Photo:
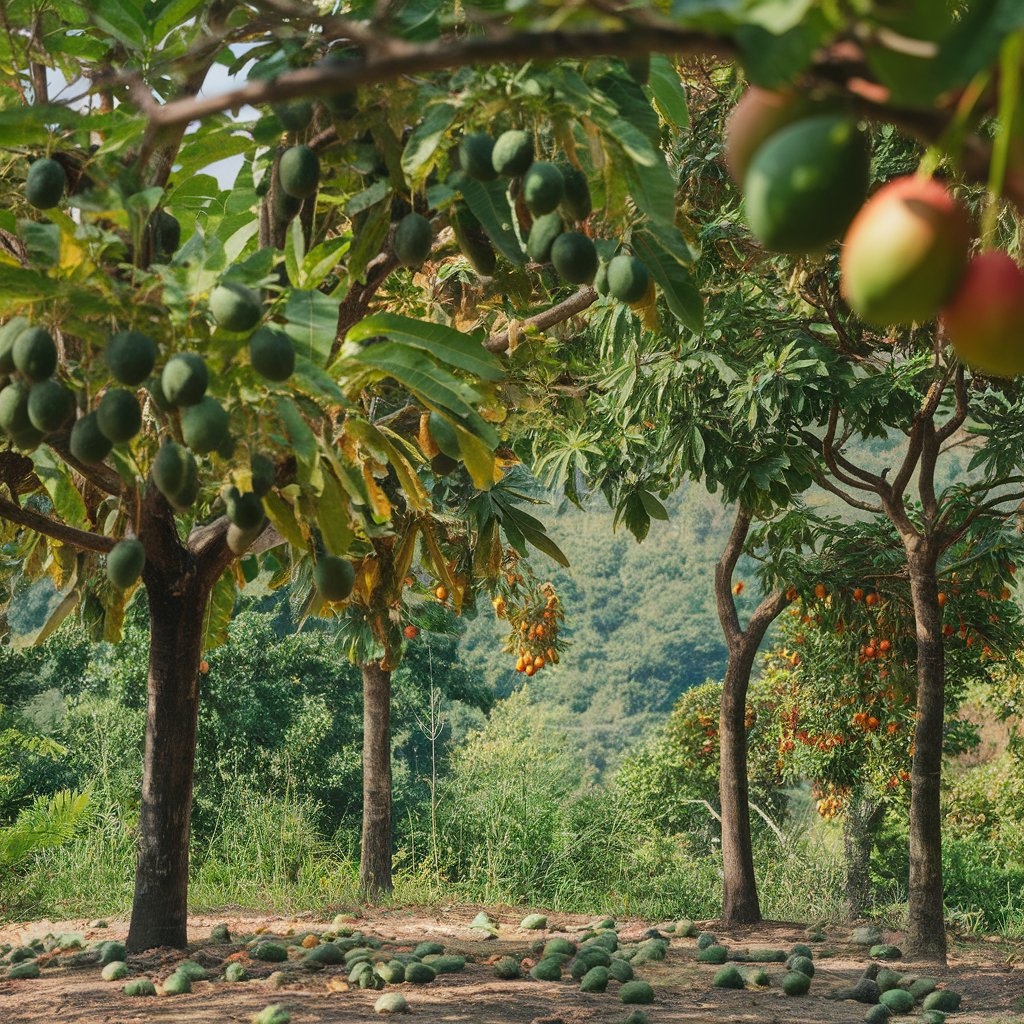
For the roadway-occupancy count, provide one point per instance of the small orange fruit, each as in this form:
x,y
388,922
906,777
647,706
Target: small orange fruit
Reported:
x,y
441,594
411,632
820,591
529,670
204,666
858,594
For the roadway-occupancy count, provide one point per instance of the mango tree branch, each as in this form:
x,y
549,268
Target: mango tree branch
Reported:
x,y
576,303
55,530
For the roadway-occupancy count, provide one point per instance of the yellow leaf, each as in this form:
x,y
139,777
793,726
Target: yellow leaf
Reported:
x,y
378,499
282,515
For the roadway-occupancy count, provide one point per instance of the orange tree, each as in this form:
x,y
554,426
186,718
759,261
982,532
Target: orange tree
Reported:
x,y
845,670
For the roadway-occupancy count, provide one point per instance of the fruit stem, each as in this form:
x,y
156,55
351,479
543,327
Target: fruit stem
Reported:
x,y
1009,86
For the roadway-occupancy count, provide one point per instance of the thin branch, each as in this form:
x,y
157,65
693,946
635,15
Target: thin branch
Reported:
x,y
724,570
566,309
866,506
68,535
956,421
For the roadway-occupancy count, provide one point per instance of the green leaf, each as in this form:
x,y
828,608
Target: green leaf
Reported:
x,y
668,91
418,155
172,14
311,379
282,515
302,438
18,286
488,201
464,351
36,611
311,321
29,126
219,609
332,516
123,20
653,189
677,284
654,508
773,61
55,476
369,240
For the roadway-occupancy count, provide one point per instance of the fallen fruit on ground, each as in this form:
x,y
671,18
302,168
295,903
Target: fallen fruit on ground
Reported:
x,y
636,992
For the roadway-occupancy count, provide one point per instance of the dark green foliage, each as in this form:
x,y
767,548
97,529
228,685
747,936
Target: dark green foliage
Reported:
x,y
898,1000
728,977
88,443
272,354
543,188
34,354
576,200
131,356
419,974
118,415
543,233
184,379
475,156
414,239
299,175
443,435
45,183
235,308
639,69
796,983
50,405
595,980
124,566
628,279
270,952
204,425
512,153
574,257
507,968
637,992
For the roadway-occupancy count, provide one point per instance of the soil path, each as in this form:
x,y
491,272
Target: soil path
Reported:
x,y
989,975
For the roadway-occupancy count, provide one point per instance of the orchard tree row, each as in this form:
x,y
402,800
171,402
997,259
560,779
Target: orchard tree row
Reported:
x,y
324,371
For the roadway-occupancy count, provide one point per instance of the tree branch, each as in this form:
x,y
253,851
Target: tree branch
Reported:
x,y
55,530
956,421
566,309
724,570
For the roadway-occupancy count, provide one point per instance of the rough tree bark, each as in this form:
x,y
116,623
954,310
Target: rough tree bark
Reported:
x,y
740,904
926,932
375,858
863,818
178,579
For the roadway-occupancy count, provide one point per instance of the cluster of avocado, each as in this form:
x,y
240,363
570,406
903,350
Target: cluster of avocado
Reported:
x,y
888,992
23,962
557,196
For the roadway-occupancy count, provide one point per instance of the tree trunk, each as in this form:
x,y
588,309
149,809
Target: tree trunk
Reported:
x,y
160,907
863,818
739,887
926,934
375,860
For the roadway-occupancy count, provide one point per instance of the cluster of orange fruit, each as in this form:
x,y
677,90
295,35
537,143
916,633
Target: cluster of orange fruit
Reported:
x,y
831,800
535,632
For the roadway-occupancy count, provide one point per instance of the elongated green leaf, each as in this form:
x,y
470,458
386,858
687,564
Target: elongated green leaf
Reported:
x,y
56,478
311,321
464,351
219,609
489,203
669,94
302,438
122,19
677,284
19,286
282,515
332,516
418,155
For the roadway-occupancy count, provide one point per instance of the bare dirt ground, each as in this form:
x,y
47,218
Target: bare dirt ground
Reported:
x,y
989,975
